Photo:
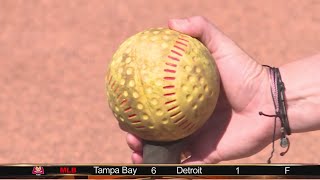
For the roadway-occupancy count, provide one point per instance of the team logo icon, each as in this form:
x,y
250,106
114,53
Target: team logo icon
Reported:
x,y
38,170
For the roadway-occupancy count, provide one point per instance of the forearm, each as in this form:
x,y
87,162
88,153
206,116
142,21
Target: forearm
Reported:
x,y
302,82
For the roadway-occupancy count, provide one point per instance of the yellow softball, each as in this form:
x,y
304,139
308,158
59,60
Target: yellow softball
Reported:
x,y
162,85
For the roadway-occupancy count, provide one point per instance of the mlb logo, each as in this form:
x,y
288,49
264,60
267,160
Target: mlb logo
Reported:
x,y
38,170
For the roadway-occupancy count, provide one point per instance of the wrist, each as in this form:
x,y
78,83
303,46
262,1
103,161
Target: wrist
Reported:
x,y
302,94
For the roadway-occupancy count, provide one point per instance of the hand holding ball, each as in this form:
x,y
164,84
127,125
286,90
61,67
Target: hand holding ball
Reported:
x,y
162,86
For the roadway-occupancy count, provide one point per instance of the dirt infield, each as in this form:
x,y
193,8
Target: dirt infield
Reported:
x,y
54,54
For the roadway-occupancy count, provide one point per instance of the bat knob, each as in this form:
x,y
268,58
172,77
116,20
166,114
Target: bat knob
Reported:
x,y
163,152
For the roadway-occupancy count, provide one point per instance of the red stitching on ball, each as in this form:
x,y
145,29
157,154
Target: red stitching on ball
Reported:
x,y
169,102
182,35
116,90
128,109
183,122
183,39
123,102
187,125
175,52
168,87
135,121
171,64
119,96
189,129
173,108
179,42
178,120
175,114
110,78
169,78
169,94
169,70
173,58
112,85
131,116
179,48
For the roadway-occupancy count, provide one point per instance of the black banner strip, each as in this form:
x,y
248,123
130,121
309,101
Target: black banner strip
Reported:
x,y
118,171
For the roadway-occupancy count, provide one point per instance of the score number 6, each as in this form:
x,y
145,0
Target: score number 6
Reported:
x,y
153,170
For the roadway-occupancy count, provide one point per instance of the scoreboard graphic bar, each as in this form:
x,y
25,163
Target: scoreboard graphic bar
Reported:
x,y
289,171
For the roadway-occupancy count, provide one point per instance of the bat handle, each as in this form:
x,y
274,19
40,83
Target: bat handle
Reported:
x,y
162,152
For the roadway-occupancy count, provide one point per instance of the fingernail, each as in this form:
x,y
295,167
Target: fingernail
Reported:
x,y
180,22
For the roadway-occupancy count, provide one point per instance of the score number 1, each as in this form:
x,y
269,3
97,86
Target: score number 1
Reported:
x,y
238,170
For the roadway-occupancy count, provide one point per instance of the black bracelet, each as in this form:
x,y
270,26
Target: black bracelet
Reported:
x,y
282,104
278,96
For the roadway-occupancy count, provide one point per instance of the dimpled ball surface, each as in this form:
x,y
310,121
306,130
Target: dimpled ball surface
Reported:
x,y
162,85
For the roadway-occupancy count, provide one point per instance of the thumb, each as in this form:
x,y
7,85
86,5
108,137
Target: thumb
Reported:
x,y
199,27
